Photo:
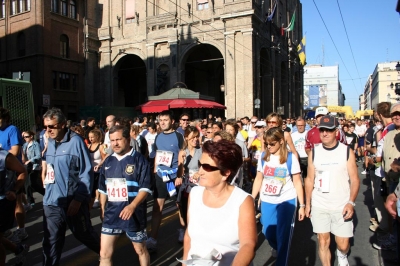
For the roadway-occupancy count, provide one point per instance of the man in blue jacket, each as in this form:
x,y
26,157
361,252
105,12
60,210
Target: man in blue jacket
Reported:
x,y
68,180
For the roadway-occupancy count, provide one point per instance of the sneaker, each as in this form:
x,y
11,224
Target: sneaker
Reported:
x,y
20,255
18,236
387,245
342,258
373,220
373,227
181,233
7,234
151,244
27,207
96,204
364,172
274,254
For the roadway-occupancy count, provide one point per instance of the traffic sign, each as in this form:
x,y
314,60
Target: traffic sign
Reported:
x,y
46,100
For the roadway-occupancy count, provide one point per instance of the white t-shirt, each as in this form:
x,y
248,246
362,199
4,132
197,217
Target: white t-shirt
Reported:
x,y
299,141
150,143
277,171
252,134
360,130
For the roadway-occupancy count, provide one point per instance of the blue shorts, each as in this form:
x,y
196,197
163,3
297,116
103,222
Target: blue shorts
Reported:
x,y
137,237
361,141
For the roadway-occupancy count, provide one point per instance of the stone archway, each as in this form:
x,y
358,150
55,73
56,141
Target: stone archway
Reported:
x,y
132,82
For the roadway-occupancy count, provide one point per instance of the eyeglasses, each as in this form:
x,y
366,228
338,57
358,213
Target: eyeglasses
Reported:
x,y
258,127
272,144
208,132
51,126
27,137
272,122
330,130
253,122
207,167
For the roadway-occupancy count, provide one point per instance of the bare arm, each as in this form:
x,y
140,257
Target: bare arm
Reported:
x,y
289,141
186,238
300,193
309,183
103,201
354,184
13,164
257,185
247,233
15,150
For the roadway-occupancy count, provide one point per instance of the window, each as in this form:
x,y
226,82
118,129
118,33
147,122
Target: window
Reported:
x,y
3,9
72,9
64,46
19,6
66,8
21,44
65,81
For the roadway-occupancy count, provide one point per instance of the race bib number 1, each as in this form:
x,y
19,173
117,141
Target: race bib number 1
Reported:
x,y
117,189
322,181
164,158
272,187
49,179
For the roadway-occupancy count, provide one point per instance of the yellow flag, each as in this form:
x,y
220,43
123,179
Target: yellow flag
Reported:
x,y
301,50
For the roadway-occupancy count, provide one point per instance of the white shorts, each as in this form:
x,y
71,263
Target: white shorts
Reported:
x,y
325,221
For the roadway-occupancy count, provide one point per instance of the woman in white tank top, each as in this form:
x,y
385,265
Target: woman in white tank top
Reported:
x,y
221,222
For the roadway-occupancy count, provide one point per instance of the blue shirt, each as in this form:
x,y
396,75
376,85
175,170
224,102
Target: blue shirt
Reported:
x,y
11,136
172,142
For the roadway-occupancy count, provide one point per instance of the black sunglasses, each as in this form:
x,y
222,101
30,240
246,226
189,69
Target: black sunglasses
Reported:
x,y
207,167
51,126
322,129
27,137
185,119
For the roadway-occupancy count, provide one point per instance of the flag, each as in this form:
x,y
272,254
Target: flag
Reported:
x,y
290,27
272,14
301,50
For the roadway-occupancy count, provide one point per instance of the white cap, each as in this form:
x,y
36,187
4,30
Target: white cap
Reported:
x,y
260,124
321,111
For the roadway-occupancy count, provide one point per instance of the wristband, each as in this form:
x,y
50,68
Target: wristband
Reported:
x,y
352,203
302,205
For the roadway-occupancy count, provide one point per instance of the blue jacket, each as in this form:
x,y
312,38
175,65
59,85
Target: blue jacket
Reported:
x,y
72,171
33,153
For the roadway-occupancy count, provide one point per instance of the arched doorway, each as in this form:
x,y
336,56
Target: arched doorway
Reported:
x,y
132,81
204,71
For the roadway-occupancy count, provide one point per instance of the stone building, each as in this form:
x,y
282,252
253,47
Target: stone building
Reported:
x,y
221,48
44,42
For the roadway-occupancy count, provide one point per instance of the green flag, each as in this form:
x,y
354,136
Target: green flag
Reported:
x,y
290,27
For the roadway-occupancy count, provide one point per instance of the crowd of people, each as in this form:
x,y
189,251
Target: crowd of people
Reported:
x,y
235,170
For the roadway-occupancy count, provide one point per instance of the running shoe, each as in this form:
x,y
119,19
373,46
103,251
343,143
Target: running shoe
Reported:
x,y
8,233
20,255
27,207
18,236
387,242
151,244
96,204
181,234
274,254
373,227
342,258
364,172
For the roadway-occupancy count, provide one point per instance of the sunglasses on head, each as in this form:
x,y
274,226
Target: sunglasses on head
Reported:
x,y
207,167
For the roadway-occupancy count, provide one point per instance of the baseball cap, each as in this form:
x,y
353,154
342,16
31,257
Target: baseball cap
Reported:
x,y
328,121
321,111
395,108
260,124
254,120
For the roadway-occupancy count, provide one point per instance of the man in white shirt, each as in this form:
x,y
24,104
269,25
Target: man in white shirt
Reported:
x,y
252,132
110,122
360,130
299,141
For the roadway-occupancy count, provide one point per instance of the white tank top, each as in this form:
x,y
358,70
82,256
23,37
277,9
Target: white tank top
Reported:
x,y
215,228
334,162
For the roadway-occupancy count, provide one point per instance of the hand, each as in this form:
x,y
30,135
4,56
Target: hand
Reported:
x,y
27,162
73,208
390,204
395,165
127,212
348,211
97,168
11,195
307,211
178,181
301,213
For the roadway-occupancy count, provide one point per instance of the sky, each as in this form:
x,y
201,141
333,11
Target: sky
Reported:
x,y
373,30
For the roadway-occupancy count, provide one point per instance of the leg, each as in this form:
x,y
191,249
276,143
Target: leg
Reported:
x,y
156,217
54,227
269,222
343,244
107,249
20,211
82,228
36,182
324,240
286,214
142,252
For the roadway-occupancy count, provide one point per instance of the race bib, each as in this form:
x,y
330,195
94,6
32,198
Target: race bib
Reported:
x,y
272,187
49,179
117,189
322,181
191,174
257,155
164,158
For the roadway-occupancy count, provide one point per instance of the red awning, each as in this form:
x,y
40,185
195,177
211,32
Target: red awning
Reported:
x,y
157,106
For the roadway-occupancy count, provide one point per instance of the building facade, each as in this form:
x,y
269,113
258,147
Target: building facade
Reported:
x,y
225,49
383,81
322,87
44,42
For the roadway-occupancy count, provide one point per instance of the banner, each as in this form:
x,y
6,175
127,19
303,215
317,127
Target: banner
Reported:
x,y
315,95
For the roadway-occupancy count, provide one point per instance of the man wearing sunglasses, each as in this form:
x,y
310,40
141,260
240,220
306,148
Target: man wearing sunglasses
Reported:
x,y
183,123
331,188
69,181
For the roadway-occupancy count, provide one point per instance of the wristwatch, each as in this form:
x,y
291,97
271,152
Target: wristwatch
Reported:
x,y
352,203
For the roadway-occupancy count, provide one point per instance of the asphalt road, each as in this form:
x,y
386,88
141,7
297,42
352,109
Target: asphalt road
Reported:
x,y
304,250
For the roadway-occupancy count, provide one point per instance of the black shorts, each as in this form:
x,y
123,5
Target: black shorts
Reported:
x,y
7,214
95,184
160,189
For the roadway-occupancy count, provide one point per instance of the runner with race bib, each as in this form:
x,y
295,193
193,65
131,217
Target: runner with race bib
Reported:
x,y
279,183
